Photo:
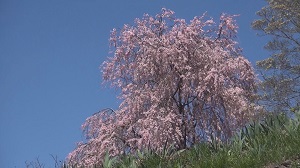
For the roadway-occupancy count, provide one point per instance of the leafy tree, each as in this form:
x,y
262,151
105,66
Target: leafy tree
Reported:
x,y
181,83
281,72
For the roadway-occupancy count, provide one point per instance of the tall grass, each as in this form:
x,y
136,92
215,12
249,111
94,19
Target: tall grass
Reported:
x,y
260,143
272,140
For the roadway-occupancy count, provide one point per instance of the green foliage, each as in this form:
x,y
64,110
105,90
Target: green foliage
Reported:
x,y
108,162
281,71
271,140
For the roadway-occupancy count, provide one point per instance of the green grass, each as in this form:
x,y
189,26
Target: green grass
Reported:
x,y
258,144
273,140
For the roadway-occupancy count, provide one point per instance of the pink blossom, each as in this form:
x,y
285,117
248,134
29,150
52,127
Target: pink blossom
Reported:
x,y
180,82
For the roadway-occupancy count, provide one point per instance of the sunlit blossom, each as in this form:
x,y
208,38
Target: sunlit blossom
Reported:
x,y
180,83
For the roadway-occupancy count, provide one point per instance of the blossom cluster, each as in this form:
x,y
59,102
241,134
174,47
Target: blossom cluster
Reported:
x,y
180,82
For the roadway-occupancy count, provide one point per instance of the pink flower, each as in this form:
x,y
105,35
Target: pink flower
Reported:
x,y
180,82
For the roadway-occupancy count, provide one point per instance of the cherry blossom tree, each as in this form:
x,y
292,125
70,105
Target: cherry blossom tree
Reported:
x,y
180,82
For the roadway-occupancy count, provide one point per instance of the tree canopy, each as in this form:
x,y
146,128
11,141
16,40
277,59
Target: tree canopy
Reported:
x,y
181,83
281,71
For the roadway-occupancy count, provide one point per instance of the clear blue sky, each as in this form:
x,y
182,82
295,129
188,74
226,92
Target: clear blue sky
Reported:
x,y
50,52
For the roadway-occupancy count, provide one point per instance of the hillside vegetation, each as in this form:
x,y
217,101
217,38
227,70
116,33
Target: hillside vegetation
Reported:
x,y
272,142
